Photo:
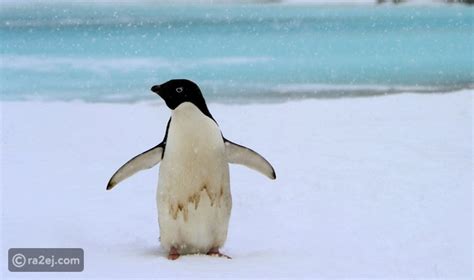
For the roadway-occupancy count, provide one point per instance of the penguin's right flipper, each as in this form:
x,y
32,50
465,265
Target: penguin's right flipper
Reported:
x,y
145,160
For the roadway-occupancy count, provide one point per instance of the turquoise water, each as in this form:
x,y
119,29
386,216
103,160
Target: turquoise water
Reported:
x,y
252,53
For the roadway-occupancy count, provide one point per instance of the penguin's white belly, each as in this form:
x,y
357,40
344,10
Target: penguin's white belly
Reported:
x,y
193,198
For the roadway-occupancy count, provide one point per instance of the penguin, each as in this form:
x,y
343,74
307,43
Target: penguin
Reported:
x,y
193,195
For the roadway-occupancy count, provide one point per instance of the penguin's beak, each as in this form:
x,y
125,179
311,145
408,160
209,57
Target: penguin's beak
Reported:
x,y
162,93
155,89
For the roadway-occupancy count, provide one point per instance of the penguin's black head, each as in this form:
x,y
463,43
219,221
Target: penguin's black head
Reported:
x,y
176,92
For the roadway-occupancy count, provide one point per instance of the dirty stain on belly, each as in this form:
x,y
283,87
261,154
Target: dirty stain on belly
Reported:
x,y
193,201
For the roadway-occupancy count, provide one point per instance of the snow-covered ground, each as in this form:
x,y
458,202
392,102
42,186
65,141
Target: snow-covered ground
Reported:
x,y
366,187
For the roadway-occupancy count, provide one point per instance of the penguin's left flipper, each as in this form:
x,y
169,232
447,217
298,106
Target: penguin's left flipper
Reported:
x,y
238,154
145,160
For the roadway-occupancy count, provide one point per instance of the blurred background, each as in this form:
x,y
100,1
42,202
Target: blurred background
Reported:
x,y
247,51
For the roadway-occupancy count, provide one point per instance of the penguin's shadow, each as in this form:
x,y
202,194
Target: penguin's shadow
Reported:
x,y
158,252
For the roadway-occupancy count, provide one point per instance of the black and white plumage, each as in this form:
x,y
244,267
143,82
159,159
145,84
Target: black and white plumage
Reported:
x,y
193,198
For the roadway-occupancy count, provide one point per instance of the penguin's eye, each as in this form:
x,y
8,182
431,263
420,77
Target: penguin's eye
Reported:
x,y
179,90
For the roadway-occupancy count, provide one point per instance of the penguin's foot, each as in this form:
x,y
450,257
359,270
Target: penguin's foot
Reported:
x,y
173,254
215,252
